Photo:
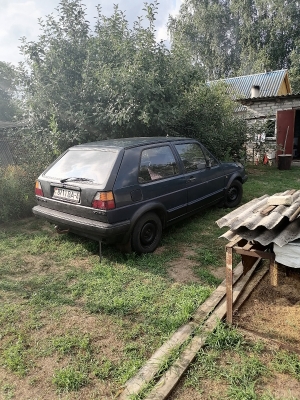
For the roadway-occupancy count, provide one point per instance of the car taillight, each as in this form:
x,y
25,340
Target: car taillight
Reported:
x,y
38,189
104,201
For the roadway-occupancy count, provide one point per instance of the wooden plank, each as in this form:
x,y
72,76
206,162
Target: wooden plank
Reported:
x,y
147,372
229,283
292,191
216,296
255,253
295,214
248,246
267,210
251,286
169,380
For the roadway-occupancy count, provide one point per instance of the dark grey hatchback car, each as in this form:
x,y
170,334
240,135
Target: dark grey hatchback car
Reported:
x,y
128,190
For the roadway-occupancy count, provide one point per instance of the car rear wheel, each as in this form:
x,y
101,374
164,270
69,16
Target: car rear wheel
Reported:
x,y
146,234
234,194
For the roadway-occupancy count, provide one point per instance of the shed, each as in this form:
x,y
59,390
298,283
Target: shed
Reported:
x,y
269,220
272,83
268,105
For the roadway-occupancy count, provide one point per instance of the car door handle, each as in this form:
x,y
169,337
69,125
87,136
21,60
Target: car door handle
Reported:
x,y
191,179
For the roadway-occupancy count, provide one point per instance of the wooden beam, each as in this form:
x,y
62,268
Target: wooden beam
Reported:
x,y
229,283
251,286
255,253
267,210
295,214
273,273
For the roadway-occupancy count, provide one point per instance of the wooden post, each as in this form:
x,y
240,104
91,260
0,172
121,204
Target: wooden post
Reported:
x,y
229,284
273,272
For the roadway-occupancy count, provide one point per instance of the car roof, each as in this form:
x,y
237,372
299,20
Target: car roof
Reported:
x,y
125,143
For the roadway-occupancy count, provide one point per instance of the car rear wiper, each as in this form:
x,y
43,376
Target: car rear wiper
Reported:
x,y
76,179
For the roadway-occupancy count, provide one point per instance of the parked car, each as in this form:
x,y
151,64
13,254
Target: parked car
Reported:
x,y
128,190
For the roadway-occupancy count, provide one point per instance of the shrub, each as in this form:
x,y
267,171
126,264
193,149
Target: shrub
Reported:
x,y
16,192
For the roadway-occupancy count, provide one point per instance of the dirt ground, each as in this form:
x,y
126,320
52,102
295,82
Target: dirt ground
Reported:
x,y
274,312
270,312
271,315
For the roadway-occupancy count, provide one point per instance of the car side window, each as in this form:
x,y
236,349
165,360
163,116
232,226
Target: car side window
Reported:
x,y
157,163
212,161
192,156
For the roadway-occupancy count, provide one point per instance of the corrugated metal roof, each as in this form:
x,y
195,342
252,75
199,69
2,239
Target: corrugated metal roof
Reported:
x,y
6,157
269,84
252,222
268,98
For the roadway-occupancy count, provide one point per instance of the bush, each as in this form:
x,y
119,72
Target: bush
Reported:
x,y
16,192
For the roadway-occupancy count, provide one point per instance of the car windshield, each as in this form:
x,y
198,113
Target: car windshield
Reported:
x,y
84,165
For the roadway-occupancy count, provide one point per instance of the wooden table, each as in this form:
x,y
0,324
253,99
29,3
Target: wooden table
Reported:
x,y
249,252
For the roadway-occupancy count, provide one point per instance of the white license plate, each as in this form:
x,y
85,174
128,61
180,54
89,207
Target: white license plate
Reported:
x,y
67,194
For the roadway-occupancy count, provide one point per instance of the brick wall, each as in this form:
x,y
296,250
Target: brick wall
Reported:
x,y
268,108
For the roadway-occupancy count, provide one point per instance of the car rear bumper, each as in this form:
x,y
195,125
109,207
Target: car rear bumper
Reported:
x,y
87,227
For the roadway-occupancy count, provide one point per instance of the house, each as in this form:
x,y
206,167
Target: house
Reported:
x,y
267,103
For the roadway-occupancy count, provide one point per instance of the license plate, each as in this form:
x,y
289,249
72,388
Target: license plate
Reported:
x,y
67,194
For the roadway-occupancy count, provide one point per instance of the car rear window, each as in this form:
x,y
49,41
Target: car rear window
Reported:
x,y
95,165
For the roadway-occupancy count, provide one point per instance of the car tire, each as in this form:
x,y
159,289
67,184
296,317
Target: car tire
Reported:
x,y
234,194
146,234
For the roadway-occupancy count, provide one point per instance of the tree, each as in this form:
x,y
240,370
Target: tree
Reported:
x,y
268,31
206,113
8,105
295,68
207,29
115,82
238,37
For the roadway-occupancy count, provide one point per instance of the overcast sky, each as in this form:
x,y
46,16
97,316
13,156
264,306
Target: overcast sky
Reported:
x,y
20,18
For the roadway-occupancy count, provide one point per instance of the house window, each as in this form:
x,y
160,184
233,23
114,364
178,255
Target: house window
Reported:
x,y
270,128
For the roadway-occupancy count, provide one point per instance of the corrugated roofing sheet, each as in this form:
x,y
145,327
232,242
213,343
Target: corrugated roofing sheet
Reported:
x,y
252,222
268,82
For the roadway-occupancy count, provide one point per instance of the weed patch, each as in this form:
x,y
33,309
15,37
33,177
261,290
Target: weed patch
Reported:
x,y
70,379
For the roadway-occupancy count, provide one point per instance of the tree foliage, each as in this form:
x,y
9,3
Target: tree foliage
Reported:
x,y
206,113
8,89
115,82
239,37
207,29
295,67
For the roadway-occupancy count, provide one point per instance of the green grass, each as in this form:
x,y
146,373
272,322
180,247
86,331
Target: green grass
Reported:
x,y
70,378
98,323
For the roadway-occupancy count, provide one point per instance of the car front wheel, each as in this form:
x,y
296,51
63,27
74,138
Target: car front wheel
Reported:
x,y
234,194
146,234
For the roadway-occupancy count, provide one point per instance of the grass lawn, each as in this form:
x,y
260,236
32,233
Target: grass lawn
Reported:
x,y
72,328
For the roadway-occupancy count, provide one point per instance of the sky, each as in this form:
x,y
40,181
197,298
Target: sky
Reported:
x,y
19,18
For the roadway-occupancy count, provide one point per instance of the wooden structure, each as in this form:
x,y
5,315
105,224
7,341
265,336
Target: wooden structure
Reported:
x,y
250,254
